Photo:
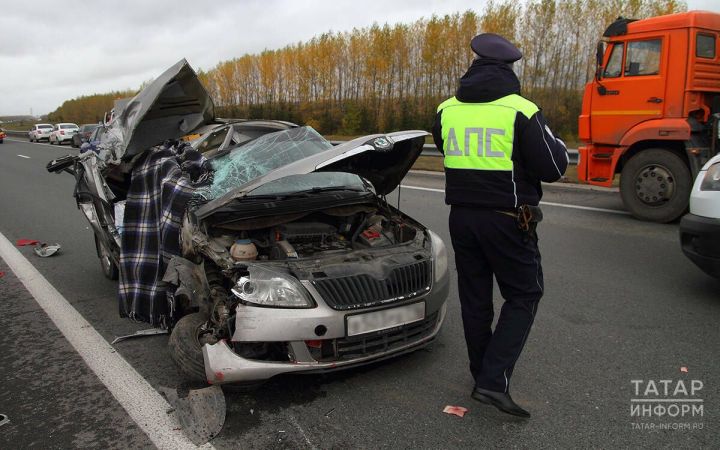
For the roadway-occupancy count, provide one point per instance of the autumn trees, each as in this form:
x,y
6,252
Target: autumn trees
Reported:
x,y
87,109
389,77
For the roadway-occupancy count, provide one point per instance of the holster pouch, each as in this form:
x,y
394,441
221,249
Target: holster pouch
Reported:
x,y
528,216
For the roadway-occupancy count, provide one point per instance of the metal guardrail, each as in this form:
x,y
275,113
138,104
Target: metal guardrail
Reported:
x,y
431,150
428,149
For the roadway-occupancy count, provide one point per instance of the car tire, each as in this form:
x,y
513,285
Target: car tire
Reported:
x,y
185,348
109,269
655,185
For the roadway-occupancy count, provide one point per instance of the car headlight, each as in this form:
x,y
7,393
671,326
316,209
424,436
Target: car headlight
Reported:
x,y
711,181
267,287
439,255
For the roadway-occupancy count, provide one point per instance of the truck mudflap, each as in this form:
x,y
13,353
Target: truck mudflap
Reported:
x,y
597,164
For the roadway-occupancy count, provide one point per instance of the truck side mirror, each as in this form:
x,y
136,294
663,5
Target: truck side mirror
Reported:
x,y
600,50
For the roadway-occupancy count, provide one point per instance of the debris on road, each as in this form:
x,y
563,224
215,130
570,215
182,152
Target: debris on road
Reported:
x,y
684,369
2,274
201,412
140,333
4,419
45,250
24,242
327,414
455,410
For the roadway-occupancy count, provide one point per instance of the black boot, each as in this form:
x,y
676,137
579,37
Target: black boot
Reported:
x,y
500,400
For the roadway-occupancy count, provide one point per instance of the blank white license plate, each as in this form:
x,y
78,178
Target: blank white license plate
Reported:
x,y
387,318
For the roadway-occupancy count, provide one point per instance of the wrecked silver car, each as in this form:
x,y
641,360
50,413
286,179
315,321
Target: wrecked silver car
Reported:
x,y
290,258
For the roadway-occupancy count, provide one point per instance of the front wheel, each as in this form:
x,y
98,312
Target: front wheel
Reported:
x,y
655,185
109,269
185,347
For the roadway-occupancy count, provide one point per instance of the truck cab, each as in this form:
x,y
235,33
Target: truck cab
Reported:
x,y
651,112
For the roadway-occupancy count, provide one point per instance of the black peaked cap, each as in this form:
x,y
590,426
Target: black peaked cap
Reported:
x,y
493,46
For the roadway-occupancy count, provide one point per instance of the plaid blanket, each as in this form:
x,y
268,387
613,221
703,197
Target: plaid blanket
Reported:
x,y
162,183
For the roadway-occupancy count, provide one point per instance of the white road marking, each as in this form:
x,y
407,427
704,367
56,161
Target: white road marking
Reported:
x,y
418,188
143,403
587,208
23,156
560,205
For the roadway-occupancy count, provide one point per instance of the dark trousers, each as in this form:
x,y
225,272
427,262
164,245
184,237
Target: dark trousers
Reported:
x,y
488,243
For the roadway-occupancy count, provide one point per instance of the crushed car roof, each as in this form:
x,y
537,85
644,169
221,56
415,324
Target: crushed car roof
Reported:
x,y
174,104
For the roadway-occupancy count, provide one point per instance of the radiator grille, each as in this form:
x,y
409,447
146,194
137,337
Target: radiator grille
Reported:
x,y
361,291
375,343
380,342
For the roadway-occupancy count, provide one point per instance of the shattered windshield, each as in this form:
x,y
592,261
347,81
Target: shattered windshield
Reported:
x,y
260,156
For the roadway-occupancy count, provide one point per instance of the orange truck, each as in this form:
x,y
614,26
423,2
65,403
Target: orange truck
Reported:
x,y
651,113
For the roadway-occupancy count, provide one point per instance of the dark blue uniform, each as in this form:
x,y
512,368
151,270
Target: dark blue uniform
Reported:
x,y
486,183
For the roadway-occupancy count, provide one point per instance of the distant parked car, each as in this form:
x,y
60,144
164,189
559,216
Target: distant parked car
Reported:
x,y
40,131
700,229
2,135
84,135
63,132
97,133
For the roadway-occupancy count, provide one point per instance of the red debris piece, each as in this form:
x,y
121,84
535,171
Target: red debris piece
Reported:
x,y
455,410
2,274
684,369
24,242
371,234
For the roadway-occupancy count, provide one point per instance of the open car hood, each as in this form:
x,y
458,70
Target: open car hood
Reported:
x,y
382,159
174,104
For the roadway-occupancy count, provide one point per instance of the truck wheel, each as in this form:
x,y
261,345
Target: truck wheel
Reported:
x,y
655,185
185,348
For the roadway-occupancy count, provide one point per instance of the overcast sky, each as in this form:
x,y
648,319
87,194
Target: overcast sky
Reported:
x,y
53,51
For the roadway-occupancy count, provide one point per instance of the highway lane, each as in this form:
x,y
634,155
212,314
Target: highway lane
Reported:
x,y
622,303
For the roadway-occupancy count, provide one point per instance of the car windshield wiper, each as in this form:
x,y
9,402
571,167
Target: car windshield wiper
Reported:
x,y
326,189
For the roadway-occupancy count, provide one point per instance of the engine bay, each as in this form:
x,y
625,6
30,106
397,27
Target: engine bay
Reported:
x,y
317,234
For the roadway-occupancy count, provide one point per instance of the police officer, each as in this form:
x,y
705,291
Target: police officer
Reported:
x,y
497,149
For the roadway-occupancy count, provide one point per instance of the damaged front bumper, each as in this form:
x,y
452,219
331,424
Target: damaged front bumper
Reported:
x,y
298,330
222,365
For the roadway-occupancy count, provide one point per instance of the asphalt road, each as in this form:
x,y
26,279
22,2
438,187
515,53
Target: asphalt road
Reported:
x,y
622,303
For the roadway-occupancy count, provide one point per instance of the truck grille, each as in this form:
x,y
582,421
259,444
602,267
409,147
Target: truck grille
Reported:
x,y
362,291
